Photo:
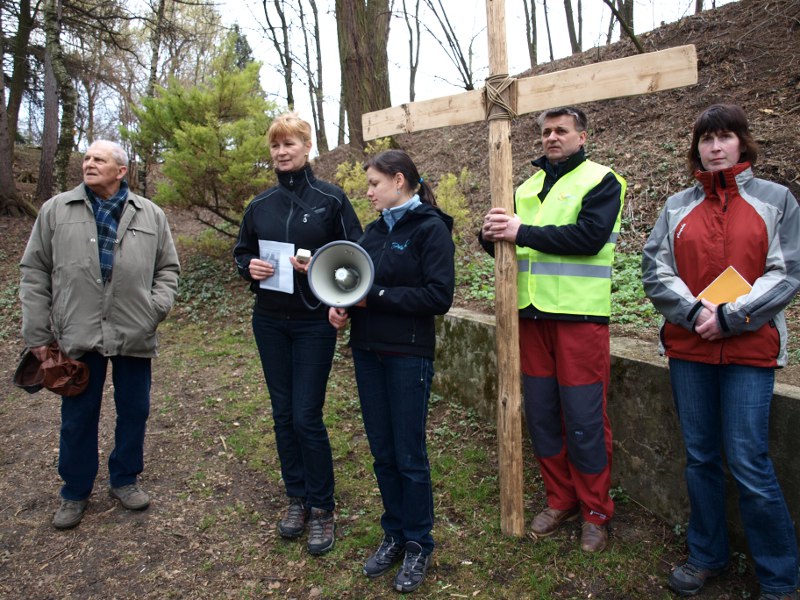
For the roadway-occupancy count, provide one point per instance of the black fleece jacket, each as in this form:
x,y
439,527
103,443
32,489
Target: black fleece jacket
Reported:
x,y
414,281
276,215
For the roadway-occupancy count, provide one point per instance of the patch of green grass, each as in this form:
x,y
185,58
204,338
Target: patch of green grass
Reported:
x,y
207,522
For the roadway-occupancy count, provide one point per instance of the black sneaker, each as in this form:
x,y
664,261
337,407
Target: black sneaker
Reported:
x,y
293,523
415,567
321,531
388,553
688,579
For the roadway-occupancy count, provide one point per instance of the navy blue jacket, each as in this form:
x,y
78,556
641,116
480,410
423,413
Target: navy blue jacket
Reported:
x,y
414,281
275,215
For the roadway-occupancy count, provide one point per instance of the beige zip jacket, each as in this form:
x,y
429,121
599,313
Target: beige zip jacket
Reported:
x,y
62,292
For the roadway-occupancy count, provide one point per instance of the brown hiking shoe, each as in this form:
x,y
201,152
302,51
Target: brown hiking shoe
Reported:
x,y
550,519
593,537
321,528
293,523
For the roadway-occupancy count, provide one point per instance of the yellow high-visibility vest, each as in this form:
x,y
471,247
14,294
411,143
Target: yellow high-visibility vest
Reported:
x,y
555,283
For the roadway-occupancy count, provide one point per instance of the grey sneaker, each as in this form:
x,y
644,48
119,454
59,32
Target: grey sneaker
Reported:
x,y
69,514
131,496
321,531
293,523
388,553
688,579
415,567
778,596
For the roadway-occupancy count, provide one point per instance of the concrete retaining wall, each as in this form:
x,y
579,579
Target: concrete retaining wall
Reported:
x,y
648,449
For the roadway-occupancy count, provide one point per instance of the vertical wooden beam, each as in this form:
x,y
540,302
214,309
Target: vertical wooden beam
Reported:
x,y
509,417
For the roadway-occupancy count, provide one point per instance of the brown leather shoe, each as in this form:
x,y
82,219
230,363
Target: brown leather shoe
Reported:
x,y
593,537
550,519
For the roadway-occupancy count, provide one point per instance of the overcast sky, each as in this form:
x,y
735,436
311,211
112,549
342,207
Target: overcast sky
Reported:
x,y
436,75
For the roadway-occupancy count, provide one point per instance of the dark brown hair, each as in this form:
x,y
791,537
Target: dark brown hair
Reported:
x,y
390,162
581,122
718,118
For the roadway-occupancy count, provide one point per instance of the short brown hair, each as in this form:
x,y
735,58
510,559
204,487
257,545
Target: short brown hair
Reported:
x,y
289,125
717,118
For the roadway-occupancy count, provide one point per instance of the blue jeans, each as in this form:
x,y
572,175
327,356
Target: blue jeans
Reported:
x,y
726,407
80,415
296,357
394,392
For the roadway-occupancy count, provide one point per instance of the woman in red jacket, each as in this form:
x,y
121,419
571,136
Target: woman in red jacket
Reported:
x,y
723,350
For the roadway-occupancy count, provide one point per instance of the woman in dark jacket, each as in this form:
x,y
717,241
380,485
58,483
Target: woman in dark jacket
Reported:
x,y
393,340
724,343
294,339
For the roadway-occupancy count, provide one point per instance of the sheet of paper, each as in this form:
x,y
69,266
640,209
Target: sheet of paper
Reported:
x,y
278,254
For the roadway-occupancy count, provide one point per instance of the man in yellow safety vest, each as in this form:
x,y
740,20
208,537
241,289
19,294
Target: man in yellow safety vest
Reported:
x,y
565,229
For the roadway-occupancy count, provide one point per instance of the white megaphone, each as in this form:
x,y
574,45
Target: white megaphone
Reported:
x,y
341,274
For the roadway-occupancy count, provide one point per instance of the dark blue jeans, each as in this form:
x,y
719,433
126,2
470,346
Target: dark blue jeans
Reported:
x,y
394,392
726,407
80,415
296,357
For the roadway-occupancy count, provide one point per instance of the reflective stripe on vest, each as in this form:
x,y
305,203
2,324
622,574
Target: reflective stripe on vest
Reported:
x,y
565,284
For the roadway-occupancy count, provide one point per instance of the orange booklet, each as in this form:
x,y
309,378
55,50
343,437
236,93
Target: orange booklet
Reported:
x,y
727,287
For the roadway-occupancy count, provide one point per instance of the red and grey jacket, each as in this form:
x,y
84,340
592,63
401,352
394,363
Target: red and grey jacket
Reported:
x,y
729,218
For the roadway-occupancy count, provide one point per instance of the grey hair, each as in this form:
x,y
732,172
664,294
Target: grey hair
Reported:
x,y
117,152
581,122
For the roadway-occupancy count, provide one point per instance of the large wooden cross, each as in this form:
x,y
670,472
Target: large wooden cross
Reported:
x,y
635,75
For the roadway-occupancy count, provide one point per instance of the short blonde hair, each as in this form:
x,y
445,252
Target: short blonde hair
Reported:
x,y
289,125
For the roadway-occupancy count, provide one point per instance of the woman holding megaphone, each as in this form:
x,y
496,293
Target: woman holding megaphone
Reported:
x,y
393,337
295,341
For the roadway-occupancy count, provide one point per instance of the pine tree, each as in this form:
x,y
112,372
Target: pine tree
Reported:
x,y
212,140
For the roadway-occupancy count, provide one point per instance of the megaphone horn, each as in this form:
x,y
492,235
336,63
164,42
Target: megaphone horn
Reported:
x,y
340,274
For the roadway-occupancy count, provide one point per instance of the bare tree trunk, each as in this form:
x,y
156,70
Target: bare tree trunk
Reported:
x,y
21,69
46,181
11,202
611,22
413,48
625,8
148,153
531,35
314,76
282,46
319,96
625,27
66,92
363,28
91,88
574,43
547,28
698,6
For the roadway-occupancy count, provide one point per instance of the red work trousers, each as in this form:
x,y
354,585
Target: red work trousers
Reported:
x,y
566,369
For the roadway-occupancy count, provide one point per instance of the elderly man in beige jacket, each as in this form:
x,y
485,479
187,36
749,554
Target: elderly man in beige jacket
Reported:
x,y
99,273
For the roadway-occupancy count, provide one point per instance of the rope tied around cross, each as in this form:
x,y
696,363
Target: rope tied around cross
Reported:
x,y
500,97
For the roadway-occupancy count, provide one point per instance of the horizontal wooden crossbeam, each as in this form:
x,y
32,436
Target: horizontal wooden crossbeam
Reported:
x,y
629,76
